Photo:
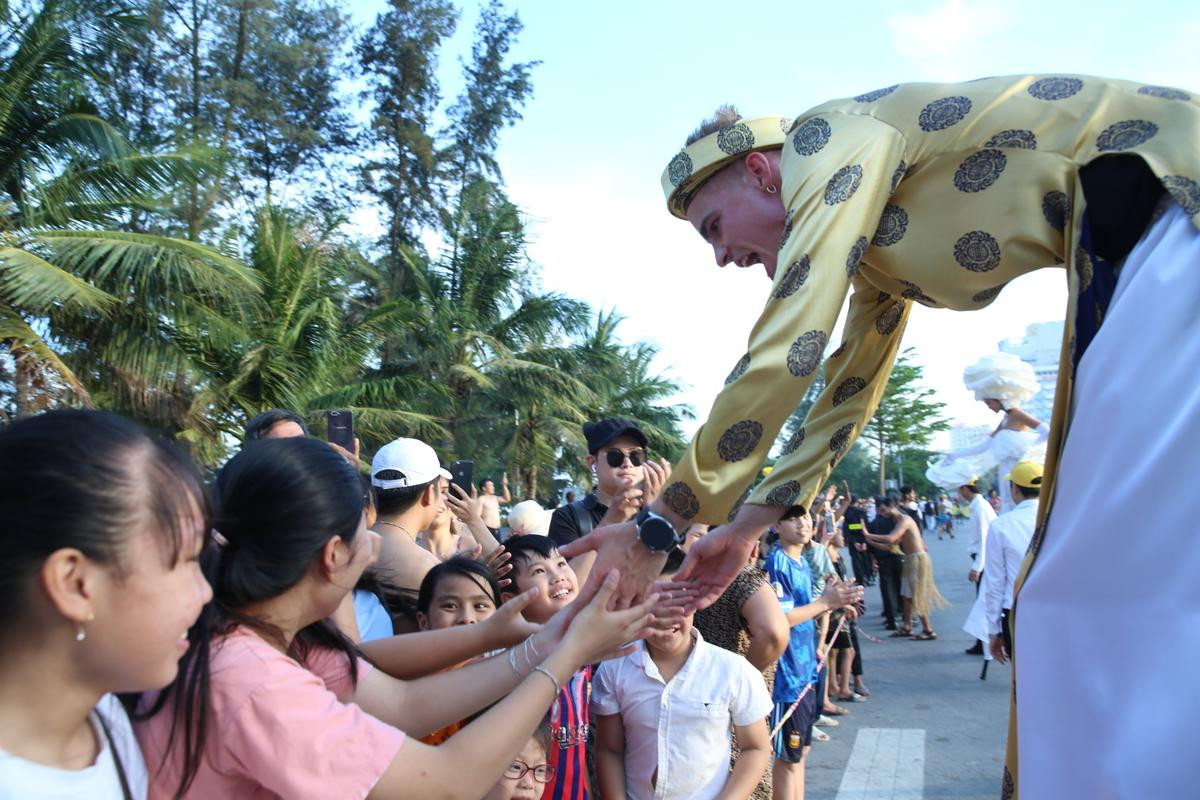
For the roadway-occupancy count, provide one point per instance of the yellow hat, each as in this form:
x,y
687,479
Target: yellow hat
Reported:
x,y
695,164
1026,474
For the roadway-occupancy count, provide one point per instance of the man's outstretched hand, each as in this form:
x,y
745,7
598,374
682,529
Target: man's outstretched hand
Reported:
x,y
617,547
712,563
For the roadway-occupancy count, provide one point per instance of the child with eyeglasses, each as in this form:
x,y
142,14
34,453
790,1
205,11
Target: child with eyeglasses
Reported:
x,y
526,777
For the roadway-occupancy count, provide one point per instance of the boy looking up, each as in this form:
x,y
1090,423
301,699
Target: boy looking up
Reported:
x,y
793,583
536,562
663,720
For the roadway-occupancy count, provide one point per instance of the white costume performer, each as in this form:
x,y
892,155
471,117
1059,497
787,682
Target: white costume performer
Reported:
x,y
1011,382
1008,541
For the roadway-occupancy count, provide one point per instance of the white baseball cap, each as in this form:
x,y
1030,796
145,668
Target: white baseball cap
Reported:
x,y
413,459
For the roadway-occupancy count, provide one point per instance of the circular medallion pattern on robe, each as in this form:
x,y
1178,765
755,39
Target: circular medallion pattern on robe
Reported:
x,y
1008,787
841,438
737,138
892,225
914,292
1164,92
794,442
887,322
856,256
680,498
988,295
741,501
841,348
739,369
977,251
843,185
1056,208
805,353
1184,191
787,230
739,440
847,389
1017,139
898,175
943,113
793,279
680,168
882,298
980,170
811,136
1125,134
876,94
784,494
1084,268
1055,88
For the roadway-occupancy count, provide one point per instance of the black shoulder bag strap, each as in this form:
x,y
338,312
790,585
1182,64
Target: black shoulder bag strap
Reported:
x,y
116,757
583,517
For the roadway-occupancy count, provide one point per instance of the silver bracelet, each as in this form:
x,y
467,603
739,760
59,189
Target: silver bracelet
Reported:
x,y
550,675
512,662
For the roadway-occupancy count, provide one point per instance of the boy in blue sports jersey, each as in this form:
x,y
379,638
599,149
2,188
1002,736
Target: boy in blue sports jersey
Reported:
x,y
793,583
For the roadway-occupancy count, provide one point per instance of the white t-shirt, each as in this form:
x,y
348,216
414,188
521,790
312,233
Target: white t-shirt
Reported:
x,y
680,728
25,780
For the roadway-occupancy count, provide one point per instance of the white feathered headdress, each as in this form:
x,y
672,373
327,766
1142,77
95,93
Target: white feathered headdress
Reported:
x,y
1003,377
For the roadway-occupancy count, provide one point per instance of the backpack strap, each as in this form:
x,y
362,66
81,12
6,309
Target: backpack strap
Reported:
x,y
116,757
583,517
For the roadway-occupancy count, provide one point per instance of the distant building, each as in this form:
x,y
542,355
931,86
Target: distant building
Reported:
x,y
963,436
1040,348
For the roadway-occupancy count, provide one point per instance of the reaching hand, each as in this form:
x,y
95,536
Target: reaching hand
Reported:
x,y
712,563
462,506
354,458
973,576
657,473
498,564
617,547
507,626
598,633
996,646
840,594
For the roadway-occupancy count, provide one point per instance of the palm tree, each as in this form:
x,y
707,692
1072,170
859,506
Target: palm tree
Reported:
x,y
82,307
300,345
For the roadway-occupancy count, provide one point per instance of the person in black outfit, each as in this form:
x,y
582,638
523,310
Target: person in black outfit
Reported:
x,y
625,480
890,566
853,525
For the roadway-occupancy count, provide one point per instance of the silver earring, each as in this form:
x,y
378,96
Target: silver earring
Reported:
x,y
771,189
80,633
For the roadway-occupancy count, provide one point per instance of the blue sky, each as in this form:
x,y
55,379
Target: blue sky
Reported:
x,y
622,83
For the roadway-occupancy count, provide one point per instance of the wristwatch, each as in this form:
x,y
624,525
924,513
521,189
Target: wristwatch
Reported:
x,y
656,532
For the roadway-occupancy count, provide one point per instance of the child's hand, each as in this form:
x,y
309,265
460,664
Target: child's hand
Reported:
x,y
597,634
839,595
507,627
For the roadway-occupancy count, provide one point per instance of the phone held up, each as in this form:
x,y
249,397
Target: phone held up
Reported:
x,y
461,475
341,428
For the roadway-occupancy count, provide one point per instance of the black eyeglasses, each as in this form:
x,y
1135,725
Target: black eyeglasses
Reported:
x,y
616,458
543,773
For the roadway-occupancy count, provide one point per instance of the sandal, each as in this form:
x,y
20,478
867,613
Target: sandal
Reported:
x,y
849,698
835,711
861,691
819,735
826,722
901,633
924,637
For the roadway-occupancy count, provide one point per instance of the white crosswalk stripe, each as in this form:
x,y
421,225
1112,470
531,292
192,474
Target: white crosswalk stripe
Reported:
x,y
885,764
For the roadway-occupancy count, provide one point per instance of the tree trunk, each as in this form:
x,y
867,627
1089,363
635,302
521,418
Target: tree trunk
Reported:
x,y
23,385
882,467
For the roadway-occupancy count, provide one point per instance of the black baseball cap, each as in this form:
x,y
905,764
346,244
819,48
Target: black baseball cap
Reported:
x,y
601,433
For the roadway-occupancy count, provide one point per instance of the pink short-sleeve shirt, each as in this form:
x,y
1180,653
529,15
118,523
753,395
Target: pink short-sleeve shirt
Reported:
x,y
278,729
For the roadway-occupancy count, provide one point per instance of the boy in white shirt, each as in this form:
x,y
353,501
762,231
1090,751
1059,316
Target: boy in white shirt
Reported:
x,y
663,716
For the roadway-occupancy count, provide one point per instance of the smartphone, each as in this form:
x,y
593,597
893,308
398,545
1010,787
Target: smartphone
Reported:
x,y
341,428
461,475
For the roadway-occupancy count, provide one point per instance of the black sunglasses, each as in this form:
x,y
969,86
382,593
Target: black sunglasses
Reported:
x,y
616,458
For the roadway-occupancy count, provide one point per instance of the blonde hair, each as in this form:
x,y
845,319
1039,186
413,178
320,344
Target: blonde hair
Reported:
x,y
725,115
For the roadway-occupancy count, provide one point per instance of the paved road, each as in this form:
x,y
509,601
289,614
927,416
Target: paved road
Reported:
x,y
926,691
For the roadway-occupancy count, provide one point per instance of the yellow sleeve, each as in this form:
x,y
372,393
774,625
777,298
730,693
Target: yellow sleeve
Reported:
x,y
838,172
855,376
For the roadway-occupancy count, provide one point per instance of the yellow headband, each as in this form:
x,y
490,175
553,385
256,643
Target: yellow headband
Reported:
x,y
696,163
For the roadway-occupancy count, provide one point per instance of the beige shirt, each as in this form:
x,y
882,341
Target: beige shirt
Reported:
x,y
934,193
